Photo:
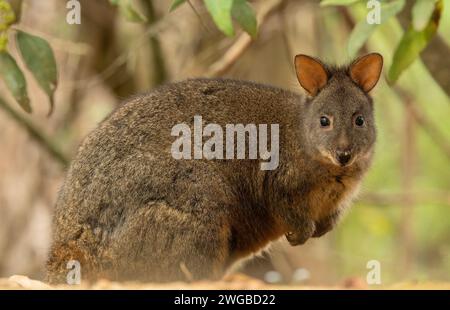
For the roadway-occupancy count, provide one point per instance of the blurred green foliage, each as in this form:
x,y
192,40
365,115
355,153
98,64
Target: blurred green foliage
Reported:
x,y
224,11
423,251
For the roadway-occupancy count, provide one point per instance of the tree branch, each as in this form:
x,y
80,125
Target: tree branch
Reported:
x,y
36,134
160,74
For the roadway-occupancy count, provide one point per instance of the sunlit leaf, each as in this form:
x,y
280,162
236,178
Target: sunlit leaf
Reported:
x,y
243,13
221,14
14,80
175,4
390,9
131,14
363,30
412,43
359,36
39,59
421,13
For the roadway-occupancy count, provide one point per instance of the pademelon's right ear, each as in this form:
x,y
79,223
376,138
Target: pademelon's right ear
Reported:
x,y
366,70
310,73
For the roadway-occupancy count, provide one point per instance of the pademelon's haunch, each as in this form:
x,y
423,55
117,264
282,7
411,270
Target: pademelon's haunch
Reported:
x,y
129,211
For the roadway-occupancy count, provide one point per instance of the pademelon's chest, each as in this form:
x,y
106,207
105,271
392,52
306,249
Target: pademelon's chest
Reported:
x,y
330,195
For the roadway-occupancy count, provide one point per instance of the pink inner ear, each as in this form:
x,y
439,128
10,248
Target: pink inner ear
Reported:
x,y
310,73
367,70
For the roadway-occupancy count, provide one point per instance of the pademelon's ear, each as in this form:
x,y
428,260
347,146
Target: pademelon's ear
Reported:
x,y
366,70
310,73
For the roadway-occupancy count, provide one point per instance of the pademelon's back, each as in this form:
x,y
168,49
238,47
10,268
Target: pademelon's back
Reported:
x,y
126,161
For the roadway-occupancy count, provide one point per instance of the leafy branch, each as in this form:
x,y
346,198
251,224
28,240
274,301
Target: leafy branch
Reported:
x,y
35,52
426,16
242,43
223,13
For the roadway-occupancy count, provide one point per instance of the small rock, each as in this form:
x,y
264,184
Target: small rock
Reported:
x,y
27,283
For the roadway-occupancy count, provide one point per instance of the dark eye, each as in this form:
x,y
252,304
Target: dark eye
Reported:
x,y
359,121
324,121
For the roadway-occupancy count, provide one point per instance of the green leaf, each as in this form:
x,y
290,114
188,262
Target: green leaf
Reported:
x,y
421,13
175,4
412,43
363,30
245,16
220,11
14,80
39,59
390,9
360,34
337,2
130,14
127,10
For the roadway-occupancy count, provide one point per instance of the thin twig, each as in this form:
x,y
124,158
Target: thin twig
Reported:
x,y
396,198
242,43
198,16
431,129
282,20
59,44
89,82
160,73
433,132
35,133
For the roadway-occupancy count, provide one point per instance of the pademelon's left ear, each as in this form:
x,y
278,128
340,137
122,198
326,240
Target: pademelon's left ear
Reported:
x,y
366,70
311,73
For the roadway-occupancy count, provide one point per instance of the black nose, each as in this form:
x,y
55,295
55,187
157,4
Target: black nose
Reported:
x,y
343,157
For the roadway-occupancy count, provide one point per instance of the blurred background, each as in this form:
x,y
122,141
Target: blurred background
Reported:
x,y
401,218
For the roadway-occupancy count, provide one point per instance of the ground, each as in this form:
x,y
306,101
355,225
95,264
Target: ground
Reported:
x,y
234,282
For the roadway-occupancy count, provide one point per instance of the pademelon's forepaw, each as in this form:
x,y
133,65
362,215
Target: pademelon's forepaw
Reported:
x,y
301,236
295,238
325,225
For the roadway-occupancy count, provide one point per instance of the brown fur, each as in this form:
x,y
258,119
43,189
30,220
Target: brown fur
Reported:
x,y
129,211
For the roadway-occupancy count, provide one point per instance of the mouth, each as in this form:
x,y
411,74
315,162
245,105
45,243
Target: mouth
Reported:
x,y
345,164
331,157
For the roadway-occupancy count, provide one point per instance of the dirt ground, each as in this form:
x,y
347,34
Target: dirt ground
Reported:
x,y
234,282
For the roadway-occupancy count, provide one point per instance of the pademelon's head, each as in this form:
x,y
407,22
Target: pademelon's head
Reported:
x,y
339,122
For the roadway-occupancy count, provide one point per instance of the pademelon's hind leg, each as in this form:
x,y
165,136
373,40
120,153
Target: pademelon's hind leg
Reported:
x,y
83,251
162,244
